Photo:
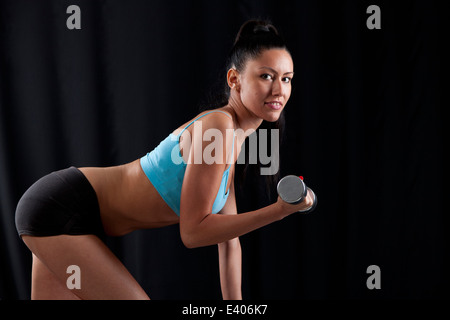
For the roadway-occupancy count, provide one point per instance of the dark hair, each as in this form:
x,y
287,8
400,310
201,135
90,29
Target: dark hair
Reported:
x,y
254,37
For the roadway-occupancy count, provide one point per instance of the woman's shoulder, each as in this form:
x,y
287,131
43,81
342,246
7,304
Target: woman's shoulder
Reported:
x,y
219,118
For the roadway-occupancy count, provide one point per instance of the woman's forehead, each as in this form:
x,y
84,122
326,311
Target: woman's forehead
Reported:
x,y
279,60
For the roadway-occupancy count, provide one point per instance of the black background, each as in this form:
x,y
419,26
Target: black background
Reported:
x,y
365,127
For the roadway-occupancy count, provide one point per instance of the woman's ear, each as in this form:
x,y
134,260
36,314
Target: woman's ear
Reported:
x,y
233,79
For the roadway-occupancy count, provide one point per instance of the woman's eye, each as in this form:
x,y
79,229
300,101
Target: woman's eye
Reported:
x,y
266,76
287,79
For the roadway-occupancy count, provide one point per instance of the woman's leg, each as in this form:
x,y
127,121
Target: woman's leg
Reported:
x,y
102,275
46,286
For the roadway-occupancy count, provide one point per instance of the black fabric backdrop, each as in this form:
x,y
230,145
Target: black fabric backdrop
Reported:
x,y
364,126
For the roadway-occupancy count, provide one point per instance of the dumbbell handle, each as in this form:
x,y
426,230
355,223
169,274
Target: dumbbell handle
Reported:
x,y
293,190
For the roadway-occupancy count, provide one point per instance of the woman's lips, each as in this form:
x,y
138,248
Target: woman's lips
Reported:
x,y
275,105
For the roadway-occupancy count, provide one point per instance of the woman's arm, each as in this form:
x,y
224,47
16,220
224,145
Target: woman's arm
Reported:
x,y
198,226
213,228
230,257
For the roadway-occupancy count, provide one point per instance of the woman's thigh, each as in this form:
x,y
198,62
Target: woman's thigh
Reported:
x,y
46,286
100,273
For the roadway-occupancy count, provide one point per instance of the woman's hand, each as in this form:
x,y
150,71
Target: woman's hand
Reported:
x,y
288,208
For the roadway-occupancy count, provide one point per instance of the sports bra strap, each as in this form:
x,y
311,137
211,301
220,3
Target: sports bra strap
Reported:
x,y
189,124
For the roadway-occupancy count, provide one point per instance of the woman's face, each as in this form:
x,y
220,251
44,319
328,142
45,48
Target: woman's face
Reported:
x,y
265,83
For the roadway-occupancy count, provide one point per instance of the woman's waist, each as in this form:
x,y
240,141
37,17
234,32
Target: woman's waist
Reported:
x,y
127,199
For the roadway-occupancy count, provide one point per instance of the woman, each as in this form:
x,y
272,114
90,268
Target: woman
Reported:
x,y
63,217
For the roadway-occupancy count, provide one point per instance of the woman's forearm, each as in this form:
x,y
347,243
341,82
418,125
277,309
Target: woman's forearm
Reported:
x,y
230,267
214,228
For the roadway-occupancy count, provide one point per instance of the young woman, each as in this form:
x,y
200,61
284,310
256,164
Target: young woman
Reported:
x,y
63,217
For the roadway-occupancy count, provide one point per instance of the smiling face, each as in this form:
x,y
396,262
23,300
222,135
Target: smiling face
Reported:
x,y
264,86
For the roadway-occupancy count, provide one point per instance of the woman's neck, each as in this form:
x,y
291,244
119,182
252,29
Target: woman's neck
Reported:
x,y
244,118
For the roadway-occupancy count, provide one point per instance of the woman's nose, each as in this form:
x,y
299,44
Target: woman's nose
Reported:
x,y
277,88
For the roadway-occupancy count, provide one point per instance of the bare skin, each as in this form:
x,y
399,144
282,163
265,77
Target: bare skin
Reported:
x,y
128,201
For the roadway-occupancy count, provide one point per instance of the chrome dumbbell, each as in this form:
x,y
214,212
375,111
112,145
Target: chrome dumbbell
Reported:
x,y
293,190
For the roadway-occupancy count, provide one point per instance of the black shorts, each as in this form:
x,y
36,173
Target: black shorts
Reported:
x,y
62,202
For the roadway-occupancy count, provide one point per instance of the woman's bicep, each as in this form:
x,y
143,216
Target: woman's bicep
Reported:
x,y
202,180
200,186
203,176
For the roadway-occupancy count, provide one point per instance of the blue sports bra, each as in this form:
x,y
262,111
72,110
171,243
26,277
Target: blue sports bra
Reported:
x,y
165,168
